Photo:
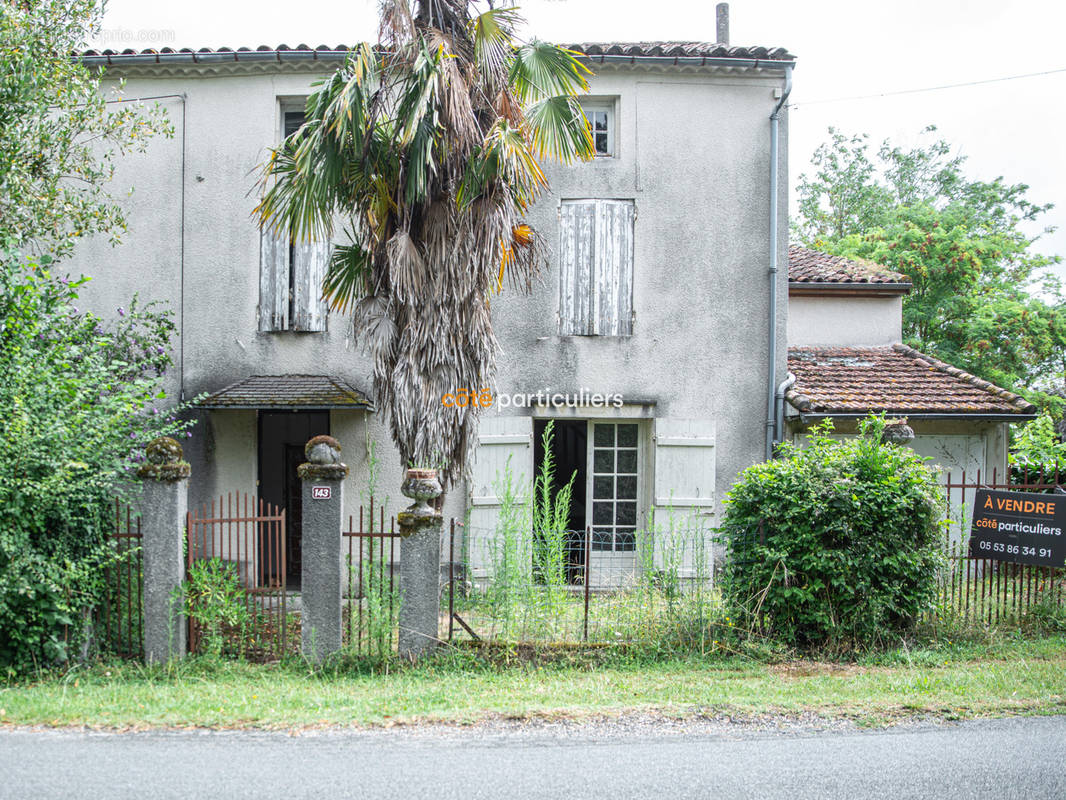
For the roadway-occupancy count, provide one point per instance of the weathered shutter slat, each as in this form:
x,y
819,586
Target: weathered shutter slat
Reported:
x,y
319,265
623,297
577,231
273,282
614,268
303,254
309,270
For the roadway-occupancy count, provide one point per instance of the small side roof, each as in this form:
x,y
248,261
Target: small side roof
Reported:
x,y
853,381
289,392
811,271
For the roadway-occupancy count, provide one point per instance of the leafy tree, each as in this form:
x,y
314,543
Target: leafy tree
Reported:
x,y
982,297
80,401
80,397
58,137
427,147
1037,448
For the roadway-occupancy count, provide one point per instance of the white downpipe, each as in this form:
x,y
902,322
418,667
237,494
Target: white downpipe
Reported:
x,y
775,118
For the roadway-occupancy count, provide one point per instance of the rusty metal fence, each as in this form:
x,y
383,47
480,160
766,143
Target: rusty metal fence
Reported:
x,y
120,617
370,610
984,590
236,579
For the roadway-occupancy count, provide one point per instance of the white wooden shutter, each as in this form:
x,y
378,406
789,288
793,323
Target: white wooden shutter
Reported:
x,y
309,270
596,267
502,442
684,495
577,225
612,296
273,282
684,464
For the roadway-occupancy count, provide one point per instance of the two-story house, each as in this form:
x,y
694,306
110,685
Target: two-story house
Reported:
x,y
655,339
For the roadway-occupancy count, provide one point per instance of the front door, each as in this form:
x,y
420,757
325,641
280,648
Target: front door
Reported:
x,y
282,436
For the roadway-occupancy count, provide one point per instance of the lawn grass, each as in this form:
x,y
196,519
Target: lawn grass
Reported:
x,y
949,680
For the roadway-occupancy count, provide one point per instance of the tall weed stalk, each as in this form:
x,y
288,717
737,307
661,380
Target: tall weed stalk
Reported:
x,y
551,516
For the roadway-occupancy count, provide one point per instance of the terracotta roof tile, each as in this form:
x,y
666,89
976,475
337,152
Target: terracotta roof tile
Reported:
x,y
659,49
289,392
812,266
896,379
673,49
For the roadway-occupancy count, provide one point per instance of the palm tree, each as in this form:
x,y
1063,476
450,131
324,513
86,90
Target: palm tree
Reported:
x,y
427,150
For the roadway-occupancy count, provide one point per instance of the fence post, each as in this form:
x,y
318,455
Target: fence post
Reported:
x,y
165,478
420,527
322,581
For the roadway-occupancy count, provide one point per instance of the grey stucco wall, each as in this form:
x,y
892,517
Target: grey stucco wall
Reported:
x,y
693,153
828,321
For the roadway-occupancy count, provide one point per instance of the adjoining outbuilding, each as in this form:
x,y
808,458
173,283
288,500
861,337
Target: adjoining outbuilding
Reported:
x,y
847,359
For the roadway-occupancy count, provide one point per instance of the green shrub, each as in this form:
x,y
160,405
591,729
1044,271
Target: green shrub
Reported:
x,y
81,398
1037,448
836,544
216,601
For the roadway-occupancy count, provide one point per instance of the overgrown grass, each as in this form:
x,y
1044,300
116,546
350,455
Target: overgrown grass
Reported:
x,y
947,678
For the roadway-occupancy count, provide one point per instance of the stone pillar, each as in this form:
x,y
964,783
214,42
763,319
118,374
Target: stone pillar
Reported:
x,y
164,504
420,527
322,579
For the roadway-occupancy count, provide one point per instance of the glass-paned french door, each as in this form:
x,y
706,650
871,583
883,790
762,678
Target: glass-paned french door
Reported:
x,y
614,456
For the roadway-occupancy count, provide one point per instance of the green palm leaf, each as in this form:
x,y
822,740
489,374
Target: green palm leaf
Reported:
x,y
559,129
540,70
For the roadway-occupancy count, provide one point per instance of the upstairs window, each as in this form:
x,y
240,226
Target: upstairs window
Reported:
x,y
601,119
291,273
596,267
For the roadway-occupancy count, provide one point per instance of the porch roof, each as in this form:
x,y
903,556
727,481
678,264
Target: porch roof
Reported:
x,y
289,392
853,381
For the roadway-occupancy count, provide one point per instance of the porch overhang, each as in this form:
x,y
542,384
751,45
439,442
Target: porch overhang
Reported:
x,y
288,393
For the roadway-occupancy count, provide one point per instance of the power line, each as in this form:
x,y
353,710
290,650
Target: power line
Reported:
x,y
927,88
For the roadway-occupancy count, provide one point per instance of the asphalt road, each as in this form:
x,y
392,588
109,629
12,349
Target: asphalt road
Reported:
x,y
1011,758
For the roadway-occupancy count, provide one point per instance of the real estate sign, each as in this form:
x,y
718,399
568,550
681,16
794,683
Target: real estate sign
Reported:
x,y
1021,527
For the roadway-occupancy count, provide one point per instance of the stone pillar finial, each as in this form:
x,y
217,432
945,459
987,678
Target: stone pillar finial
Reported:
x,y
420,527
163,513
322,578
897,431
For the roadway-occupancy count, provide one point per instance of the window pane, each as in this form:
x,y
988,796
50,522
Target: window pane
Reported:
x,y
627,488
627,435
625,540
604,435
625,513
603,488
627,461
599,121
602,513
601,143
603,461
293,121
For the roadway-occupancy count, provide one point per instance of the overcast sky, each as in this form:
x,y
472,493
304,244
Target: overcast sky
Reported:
x,y
845,48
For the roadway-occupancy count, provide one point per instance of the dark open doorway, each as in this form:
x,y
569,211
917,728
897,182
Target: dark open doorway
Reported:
x,y
570,452
282,436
